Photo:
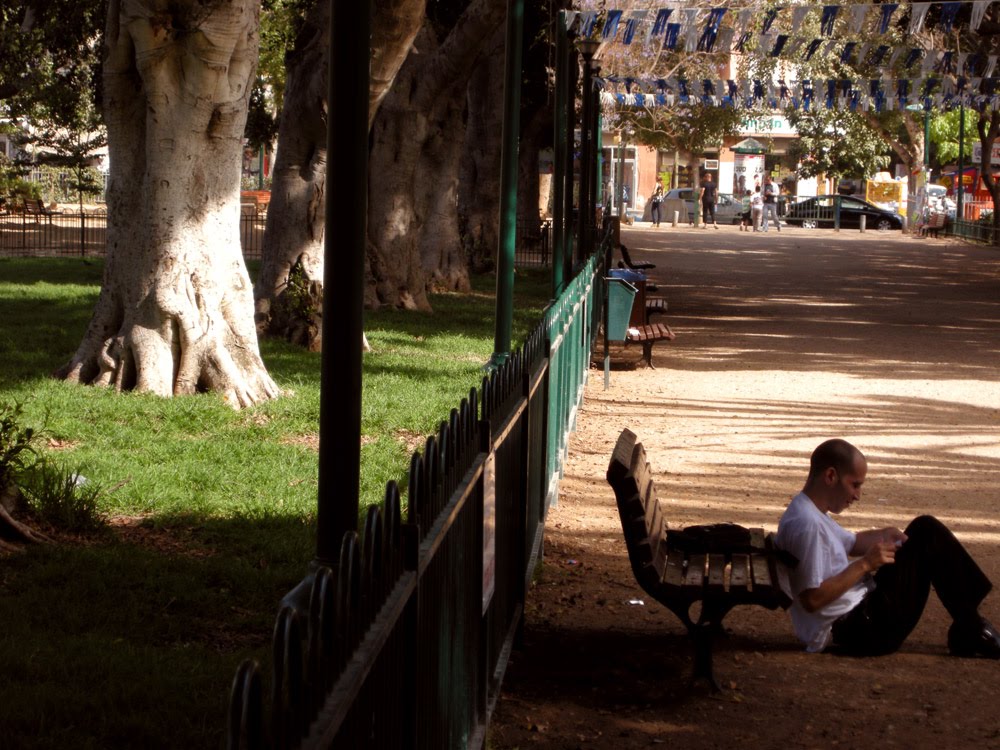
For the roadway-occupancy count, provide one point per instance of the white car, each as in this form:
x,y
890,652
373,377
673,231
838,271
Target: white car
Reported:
x,y
727,208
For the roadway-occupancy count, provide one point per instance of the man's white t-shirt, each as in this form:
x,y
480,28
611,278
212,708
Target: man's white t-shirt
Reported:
x,y
822,547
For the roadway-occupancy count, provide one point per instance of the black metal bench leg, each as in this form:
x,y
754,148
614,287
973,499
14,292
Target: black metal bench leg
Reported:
x,y
647,353
702,637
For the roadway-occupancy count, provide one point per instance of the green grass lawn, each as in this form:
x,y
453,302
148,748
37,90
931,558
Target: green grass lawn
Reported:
x,y
131,638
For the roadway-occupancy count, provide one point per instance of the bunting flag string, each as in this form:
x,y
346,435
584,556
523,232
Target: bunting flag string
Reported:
x,y
611,25
828,20
979,8
864,94
887,10
918,12
704,37
948,13
708,36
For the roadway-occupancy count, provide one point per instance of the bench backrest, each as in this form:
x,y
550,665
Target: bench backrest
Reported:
x,y
643,523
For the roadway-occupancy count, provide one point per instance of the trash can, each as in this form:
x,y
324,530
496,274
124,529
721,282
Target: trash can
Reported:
x,y
627,274
621,294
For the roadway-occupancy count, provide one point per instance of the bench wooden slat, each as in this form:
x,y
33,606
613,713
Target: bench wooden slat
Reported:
x,y
739,575
673,574
654,516
621,456
695,574
656,305
651,332
761,572
717,572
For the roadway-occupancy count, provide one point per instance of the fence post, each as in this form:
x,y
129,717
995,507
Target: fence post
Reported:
x,y
864,220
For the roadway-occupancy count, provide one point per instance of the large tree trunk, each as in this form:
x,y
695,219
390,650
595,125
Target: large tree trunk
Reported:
x,y
405,137
175,313
988,127
442,257
290,287
479,183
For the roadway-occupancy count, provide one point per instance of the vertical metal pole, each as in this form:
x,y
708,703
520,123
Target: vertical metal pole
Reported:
x,y
260,168
959,214
927,143
598,150
508,182
343,277
584,217
559,216
571,78
620,184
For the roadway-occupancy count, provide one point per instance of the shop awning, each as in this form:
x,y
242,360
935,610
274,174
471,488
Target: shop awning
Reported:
x,y
749,146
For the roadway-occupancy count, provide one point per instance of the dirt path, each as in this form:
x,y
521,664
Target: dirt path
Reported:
x,y
783,340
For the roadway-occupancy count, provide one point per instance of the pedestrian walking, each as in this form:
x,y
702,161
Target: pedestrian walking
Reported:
x,y
756,208
654,202
746,203
770,202
709,194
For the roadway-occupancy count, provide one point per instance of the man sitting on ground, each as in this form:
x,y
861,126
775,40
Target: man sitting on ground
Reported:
x,y
869,605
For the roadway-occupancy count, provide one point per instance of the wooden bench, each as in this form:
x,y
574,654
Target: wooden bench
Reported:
x,y
259,199
627,260
36,208
647,335
656,306
640,330
934,225
721,566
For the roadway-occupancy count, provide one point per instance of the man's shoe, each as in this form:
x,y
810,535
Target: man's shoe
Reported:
x,y
978,637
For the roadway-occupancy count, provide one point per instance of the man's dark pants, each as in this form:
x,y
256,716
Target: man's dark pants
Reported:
x,y
708,207
931,556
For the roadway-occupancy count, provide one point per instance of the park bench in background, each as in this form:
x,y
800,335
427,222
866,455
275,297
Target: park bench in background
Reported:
x,y
640,330
653,305
35,208
259,199
721,566
934,225
627,260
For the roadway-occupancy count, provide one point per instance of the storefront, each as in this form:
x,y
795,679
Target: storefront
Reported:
x,y
763,145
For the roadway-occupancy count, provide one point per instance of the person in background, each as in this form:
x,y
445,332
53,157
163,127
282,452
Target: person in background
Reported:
x,y
756,208
770,202
654,201
863,593
709,194
745,214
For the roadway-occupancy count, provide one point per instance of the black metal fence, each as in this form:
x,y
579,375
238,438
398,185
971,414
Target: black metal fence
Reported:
x,y
25,234
405,644
82,234
978,231
534,244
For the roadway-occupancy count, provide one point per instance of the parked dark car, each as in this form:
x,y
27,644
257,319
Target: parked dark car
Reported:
x,y
819,212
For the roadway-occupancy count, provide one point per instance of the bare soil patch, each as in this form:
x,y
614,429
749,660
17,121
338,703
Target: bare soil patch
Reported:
x,y
783,341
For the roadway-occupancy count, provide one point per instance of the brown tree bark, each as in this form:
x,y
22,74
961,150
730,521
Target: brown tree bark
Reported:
x,y
988,127
405,140
479,178
289,290
175,312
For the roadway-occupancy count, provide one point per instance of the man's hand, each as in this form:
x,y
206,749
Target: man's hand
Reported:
x,y
879,554
894,535
866,539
